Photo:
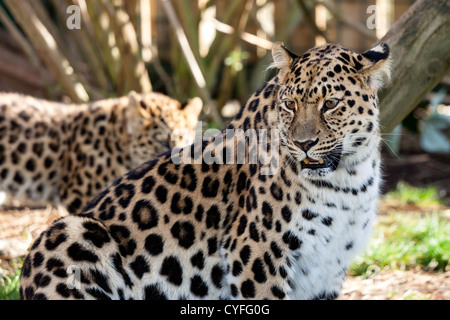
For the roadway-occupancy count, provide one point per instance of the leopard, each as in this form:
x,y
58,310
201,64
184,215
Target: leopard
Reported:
x,y
63,154
214,221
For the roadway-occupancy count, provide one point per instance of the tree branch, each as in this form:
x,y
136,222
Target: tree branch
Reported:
x,y
47,47
311,21
247,37
359,27
419,45
28,49
132,67
209,107
99,27
87,51
228,78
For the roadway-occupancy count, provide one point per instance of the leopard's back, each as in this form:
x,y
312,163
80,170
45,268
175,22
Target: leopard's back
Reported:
x,y
31,143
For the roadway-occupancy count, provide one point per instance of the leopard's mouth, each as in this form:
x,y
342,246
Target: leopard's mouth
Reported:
x,y
331,161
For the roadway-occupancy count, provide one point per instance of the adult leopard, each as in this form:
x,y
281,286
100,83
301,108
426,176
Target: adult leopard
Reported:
x,y
66,153
177,230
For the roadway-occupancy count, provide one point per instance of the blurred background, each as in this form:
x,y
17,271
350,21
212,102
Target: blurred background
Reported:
x,y
85,50
107,42
78,50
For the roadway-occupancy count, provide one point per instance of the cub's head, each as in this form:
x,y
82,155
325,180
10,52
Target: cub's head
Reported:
x,y
327,104
157,123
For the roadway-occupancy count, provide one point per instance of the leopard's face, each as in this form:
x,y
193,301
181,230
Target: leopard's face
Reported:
x,y
328,110
159,124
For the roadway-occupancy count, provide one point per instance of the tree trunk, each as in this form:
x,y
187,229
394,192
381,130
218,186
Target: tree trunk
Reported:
x,y
420,49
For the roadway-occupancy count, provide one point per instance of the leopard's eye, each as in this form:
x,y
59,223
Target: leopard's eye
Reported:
x,y
331,103
290,104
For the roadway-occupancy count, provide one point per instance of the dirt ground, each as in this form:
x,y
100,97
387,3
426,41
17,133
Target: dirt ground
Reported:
x,y
398,285
20,226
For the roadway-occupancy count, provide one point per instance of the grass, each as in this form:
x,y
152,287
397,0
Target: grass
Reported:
x,y
9,282
404,240
406,194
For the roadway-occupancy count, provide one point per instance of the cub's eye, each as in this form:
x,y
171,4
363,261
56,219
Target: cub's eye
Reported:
x,y
290,104
331,103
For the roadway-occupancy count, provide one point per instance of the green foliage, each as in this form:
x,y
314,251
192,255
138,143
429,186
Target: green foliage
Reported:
x,y
9,283
406,194
406,240
235,59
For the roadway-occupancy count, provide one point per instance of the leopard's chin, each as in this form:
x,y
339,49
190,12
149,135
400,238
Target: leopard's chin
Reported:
x,y
316,173
322,167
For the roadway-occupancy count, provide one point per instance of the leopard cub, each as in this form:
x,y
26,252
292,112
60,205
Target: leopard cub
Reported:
x,y
66,153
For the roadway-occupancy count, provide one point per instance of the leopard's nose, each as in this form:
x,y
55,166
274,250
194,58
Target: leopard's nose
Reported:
x,y
306,144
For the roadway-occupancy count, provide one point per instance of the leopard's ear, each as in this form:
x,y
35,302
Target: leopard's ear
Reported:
x,y
376,66
378,53
136,115
137,106
192,106
282,57
191,110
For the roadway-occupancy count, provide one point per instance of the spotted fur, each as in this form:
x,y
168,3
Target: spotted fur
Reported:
x,y
66,153
205,230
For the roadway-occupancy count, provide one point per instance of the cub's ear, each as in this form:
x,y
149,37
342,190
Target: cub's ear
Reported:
x,y
376,66
192,109
192,106
282,57
137,106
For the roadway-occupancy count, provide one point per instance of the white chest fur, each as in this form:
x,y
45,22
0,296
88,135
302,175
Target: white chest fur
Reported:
x,y
336,226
